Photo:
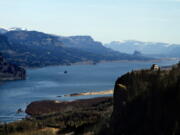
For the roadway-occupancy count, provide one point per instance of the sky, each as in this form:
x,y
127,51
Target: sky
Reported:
x,y
104,20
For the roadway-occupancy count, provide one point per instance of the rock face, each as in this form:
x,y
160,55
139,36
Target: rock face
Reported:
x,y
38,49
10,71
146,102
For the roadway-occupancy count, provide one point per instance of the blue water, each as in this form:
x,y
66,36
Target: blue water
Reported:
x,y
50,82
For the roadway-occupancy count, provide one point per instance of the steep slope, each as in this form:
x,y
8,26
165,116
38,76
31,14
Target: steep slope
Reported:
x,y
35,49
86,43
81,43
10,71
4,44
146,102
2,31
32,38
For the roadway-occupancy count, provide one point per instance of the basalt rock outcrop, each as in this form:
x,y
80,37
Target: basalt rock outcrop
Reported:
x,y
10,71
146,102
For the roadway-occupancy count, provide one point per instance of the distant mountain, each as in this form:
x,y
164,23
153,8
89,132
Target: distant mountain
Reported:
x,y
2,31
34,49
147,48
32,39
83,43
10,71
86,43
35,53
174,51
4,44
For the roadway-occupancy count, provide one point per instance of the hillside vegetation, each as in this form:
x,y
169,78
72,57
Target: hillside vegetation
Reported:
x,y
51,117
147,102
10,71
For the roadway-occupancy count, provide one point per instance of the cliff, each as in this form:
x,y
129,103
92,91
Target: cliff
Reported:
x,y
146,102
38,49
10,72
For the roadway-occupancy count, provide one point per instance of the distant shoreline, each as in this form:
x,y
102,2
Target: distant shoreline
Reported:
x,y
103,61
93,63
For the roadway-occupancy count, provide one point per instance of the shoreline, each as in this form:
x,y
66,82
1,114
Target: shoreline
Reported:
x,y
61,117
103,61
46,107
105,92
43,103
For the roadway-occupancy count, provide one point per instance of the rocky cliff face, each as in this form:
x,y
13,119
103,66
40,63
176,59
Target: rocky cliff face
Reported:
x,y
10,71
146,102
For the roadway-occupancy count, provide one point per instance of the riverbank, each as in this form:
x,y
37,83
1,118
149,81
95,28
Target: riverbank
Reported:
x,y
99,62
106,92
59,117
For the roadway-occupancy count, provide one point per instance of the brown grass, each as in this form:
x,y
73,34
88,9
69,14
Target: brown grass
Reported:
x,y
44,131
106,92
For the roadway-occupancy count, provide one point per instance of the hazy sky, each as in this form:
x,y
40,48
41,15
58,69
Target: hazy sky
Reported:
x,y
104,20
